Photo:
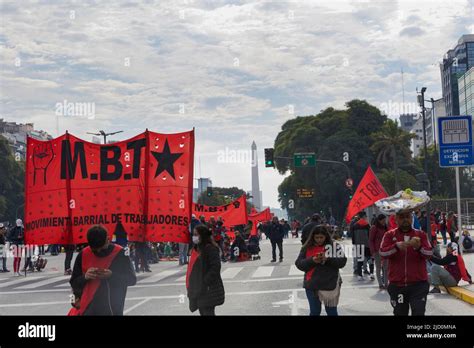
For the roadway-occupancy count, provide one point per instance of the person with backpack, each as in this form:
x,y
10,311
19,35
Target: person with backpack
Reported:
x,y
203,276
321,259
466,241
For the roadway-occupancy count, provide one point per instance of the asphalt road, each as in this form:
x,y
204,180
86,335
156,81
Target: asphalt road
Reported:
x,y
252,288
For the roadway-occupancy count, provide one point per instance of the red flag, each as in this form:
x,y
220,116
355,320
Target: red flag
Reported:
x,y
234,213
253,210
263,216
369,191
144,182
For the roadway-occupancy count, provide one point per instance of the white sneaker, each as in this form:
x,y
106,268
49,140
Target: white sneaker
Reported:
x,y
17,274
360,278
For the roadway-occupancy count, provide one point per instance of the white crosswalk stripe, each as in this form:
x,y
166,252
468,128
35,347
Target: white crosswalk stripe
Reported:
x,y
263,271
295,271
42,283
157,277
19,280
231,272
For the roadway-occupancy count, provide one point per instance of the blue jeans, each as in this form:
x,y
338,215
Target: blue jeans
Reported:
x,y
315,305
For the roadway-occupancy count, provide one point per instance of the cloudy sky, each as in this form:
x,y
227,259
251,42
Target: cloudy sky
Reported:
x,y
234,70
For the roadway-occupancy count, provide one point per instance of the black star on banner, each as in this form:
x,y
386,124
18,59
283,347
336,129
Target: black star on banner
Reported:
x,y
166,160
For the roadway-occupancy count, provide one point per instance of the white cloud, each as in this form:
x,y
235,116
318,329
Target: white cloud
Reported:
x,y
234,68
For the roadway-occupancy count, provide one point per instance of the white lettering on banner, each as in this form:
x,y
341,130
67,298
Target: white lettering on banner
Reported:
x,y
37,331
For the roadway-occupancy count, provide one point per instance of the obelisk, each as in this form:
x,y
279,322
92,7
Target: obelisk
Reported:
x,y
255,183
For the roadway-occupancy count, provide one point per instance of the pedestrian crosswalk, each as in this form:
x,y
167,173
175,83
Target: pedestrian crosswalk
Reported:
x,y
172,276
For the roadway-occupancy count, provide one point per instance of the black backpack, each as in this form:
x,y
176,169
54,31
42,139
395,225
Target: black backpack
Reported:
x,y
467,243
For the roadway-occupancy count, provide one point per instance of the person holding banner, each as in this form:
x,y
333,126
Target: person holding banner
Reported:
x,y
203,276
101,274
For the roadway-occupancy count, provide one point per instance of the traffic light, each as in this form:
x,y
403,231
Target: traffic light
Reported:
x,y
350,194
209,191
269,160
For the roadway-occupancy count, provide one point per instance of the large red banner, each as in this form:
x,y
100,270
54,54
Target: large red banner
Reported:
x,y
369,191
263,216
144,182
234,213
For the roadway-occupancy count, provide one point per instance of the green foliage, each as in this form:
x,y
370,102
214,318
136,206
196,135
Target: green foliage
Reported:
x,y
11,184
329,134
222,196
370,139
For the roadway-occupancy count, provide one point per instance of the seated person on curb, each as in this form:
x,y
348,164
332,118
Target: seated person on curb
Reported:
x,y
453,271
238,248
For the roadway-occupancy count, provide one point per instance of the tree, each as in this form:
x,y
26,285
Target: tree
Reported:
x,y
328,134
222,196
390,142
11,184
405,180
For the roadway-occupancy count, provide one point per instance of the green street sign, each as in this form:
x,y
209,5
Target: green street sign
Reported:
x,y
306,159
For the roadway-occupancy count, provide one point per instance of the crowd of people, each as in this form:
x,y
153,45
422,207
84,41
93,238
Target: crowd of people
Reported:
x,y
395,250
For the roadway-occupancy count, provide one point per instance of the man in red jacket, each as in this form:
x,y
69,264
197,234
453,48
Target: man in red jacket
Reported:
x,y
406,250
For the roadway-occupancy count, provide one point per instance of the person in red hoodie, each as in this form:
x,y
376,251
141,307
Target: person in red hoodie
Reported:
x,y
377,231
407,251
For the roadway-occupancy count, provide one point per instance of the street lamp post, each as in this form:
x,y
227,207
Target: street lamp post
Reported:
x,y
104,134
425,162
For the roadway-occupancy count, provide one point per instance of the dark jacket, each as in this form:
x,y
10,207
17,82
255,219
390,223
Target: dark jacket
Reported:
x,y
16,235
276,232
307,230
325,275
360,234
206,288
109,298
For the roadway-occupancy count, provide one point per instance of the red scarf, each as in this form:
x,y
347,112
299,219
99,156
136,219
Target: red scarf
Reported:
x,y
90,260
310,252
462,268
194,255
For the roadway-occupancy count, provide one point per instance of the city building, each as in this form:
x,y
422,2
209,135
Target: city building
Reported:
x,y
203,184
16,134
407,121
466,93
417,143
466,101
455,63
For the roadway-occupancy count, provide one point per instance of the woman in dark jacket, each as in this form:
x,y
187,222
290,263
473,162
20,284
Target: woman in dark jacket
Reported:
x,y
320,258
203,276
